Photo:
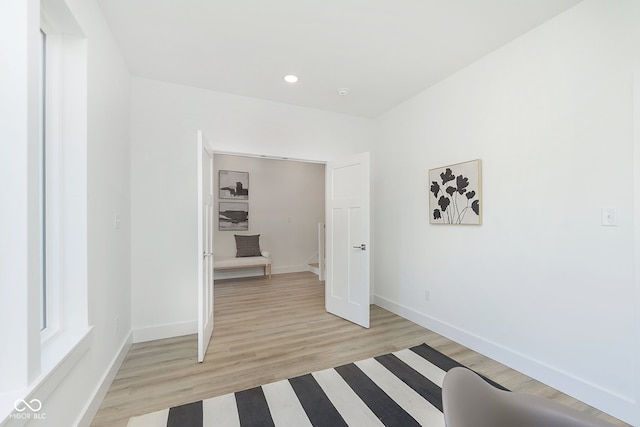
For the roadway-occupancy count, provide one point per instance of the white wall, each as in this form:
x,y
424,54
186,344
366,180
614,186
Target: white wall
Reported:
x,y
109,181
165,119
541,286
286,203
75,399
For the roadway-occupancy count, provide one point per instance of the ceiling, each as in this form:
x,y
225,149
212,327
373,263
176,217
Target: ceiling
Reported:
x,y
382,51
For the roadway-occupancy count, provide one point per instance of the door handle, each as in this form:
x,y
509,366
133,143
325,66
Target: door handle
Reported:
x,y
361,247
206,254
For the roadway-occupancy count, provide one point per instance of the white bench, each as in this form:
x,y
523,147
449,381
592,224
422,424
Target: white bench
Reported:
x,y
232,263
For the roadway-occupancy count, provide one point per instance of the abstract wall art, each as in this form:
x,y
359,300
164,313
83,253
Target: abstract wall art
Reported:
x,y
455,195
233,216
234,185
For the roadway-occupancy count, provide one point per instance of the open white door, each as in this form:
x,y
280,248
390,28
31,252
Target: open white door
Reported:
x,y
347,291
205,245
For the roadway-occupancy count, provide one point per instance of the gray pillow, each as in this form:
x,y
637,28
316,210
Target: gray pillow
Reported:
x,y
247,245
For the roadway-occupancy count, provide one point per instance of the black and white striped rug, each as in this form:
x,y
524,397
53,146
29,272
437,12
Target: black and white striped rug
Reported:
x,y
398,389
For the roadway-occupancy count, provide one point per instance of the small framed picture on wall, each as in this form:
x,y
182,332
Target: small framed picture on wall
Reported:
x,y
233,216
456,194
234,185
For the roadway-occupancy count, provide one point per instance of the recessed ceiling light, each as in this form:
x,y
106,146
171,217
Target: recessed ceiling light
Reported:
x,y
343,91
290,78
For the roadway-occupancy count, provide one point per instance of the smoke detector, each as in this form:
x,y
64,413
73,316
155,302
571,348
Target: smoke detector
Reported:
x,y
343,91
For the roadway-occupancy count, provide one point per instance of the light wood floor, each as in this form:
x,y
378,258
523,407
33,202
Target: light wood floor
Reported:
x,y
269,330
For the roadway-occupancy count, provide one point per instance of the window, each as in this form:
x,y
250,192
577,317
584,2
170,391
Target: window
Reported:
x,y
51,192
43,196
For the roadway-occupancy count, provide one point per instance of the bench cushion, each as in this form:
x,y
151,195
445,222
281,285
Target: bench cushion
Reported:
x,y
232,262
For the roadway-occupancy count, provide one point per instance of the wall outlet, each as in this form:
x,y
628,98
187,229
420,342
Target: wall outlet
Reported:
x,y
117,324
427,295
116,220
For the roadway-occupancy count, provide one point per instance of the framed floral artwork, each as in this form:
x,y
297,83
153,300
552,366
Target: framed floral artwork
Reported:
x,y
455,195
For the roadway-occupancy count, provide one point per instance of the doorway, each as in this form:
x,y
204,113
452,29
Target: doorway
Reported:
x,y
290,205
285,204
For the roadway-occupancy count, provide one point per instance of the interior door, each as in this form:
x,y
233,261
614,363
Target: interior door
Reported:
x,y
347,288
205,245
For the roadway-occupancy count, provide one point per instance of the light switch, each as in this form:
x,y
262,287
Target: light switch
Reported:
x,y
609,216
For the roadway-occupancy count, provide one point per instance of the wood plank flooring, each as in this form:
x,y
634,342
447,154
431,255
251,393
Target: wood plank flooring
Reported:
x,y
268,330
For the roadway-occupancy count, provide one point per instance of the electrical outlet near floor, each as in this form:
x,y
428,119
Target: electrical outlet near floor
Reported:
x,y
427,295
116,324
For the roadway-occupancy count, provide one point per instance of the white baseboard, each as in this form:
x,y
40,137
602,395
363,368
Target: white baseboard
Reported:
x,y
92,406
618,406
152,333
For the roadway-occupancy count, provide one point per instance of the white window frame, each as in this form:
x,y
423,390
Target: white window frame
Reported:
x,y
66,185
52,134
